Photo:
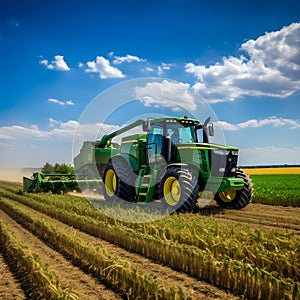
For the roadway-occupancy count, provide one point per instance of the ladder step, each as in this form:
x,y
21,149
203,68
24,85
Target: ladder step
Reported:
x,y
146,186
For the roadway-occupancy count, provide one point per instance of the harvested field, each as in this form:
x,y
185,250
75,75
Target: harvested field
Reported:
x,y
209,254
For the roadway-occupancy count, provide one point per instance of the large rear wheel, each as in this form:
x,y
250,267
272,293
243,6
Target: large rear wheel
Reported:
x,y
236,199
125,181
178,191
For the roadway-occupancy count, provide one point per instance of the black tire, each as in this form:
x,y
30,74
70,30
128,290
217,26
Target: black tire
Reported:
x,y
125,181
178,190
241,197
109,182
114,187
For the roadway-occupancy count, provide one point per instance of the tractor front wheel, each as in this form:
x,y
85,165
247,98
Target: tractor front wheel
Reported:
x,y
178,191
236,199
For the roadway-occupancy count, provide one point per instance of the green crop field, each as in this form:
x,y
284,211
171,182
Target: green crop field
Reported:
x,y
279,189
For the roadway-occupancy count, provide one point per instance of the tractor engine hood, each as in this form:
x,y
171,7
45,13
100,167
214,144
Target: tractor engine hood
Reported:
x,y
214,159
207,146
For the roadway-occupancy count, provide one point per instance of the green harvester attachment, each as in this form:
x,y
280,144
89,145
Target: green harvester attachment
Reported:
x,y
55,183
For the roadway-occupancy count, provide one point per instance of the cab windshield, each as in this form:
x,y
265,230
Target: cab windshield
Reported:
x,y
178,133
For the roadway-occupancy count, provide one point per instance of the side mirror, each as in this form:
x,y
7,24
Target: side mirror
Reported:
x,y
211,131
146,126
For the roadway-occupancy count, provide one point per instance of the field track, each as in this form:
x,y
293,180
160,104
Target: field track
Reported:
x,y
10,287
75,275
71,276
277,218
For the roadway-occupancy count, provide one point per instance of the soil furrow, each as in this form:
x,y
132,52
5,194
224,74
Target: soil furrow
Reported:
x,y
283,219
10,287
70,277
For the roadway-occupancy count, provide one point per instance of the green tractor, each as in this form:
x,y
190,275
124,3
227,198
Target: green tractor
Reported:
x,y
171,162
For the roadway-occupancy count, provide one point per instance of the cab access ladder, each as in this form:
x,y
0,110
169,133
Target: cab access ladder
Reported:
x,y
146,185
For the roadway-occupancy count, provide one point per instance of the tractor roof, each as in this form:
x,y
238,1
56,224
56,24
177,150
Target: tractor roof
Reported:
x,y
185,121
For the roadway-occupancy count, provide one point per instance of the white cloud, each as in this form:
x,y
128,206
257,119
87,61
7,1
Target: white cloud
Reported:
x,y
4,136
53,144
160,71
149,69
53,122
16,131
270,67
58,64
58,130
167,94
56,101
128,58
272,121
103,67
162,68
166,66
226,126
68,102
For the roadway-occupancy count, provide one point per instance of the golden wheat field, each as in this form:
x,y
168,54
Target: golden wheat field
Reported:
x,y
271,171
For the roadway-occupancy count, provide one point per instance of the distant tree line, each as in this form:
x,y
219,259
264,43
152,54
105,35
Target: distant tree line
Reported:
x,y
57,169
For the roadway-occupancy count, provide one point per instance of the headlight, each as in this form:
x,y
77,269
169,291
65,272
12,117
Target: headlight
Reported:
x,y
221,152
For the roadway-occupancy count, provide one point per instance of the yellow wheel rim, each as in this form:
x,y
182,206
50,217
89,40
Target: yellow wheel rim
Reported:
x,y
110,182
172,191
227,196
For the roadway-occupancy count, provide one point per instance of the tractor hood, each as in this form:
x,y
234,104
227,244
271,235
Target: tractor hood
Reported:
x,y
214,159
206,146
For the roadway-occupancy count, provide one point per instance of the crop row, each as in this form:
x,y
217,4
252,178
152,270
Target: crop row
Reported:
x,y
266,250
38,281
116,272
240,276
277,189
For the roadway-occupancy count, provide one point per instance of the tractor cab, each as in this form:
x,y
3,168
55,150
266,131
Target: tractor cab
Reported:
x,y
166,134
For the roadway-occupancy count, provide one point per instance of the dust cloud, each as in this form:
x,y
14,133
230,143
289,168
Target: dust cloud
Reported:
x,y
16,175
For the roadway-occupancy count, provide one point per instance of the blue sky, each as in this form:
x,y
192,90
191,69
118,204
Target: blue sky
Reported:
x,y
243,58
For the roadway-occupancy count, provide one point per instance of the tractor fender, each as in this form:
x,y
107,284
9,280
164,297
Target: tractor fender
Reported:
x,y
194,169
130,160
180,165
